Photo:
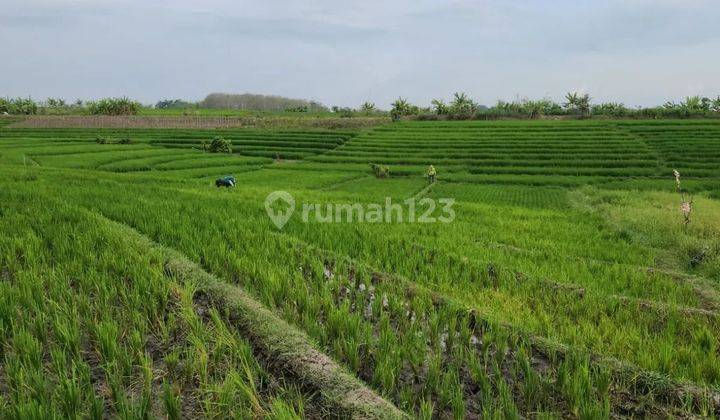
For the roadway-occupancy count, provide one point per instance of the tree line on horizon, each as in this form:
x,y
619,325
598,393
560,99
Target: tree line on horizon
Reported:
x,y
461,107
126,106
254,102
105,106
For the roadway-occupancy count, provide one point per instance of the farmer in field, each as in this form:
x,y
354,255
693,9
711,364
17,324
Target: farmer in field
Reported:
x,y
431,174
226,181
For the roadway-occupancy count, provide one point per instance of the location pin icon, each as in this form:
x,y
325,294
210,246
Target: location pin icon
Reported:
x,y
279,218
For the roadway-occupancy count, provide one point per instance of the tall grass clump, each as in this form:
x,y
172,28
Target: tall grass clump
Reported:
x,y
380,171
220,145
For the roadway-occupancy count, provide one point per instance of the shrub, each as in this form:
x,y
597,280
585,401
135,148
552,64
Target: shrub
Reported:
x,y
126,140
692,106
526,108
541,107
100,140
113,106
220,145
299,108
344,112
174,104
380,171
610,109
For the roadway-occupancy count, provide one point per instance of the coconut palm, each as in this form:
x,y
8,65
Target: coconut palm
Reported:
x,y
368,108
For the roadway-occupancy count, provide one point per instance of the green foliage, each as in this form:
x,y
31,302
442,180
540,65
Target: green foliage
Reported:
x,y
715,105
258,102
368,108
220,145
401,107
55,103
440,107
692,105
132,304
610,109
18,106
171,401
113,106
578,267
527,108
343,112
380,171
577,103
462,106
174,104
299,108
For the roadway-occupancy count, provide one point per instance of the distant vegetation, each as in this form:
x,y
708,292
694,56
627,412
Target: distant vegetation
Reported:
x,y
175,104
460,107
576,104
106,106
114,106
18,106
259,103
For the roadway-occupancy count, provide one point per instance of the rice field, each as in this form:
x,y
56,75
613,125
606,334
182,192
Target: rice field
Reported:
x,y
566,287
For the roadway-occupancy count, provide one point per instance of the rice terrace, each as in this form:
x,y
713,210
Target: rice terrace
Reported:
x,y
362,243
566,286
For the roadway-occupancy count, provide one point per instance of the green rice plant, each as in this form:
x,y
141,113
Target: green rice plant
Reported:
x,y
444,320
171,402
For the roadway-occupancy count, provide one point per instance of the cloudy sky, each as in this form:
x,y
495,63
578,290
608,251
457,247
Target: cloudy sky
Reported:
x,y
640,52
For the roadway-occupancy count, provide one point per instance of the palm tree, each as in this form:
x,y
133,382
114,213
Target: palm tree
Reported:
x,y
440,107
462,105
571,100
367,108
401,107
578,102
695,104
715,104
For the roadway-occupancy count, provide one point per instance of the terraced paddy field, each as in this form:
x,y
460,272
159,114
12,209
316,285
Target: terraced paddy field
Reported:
x,y
565,287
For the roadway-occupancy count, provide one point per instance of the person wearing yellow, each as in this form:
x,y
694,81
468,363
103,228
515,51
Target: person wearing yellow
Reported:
x,y
431,174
